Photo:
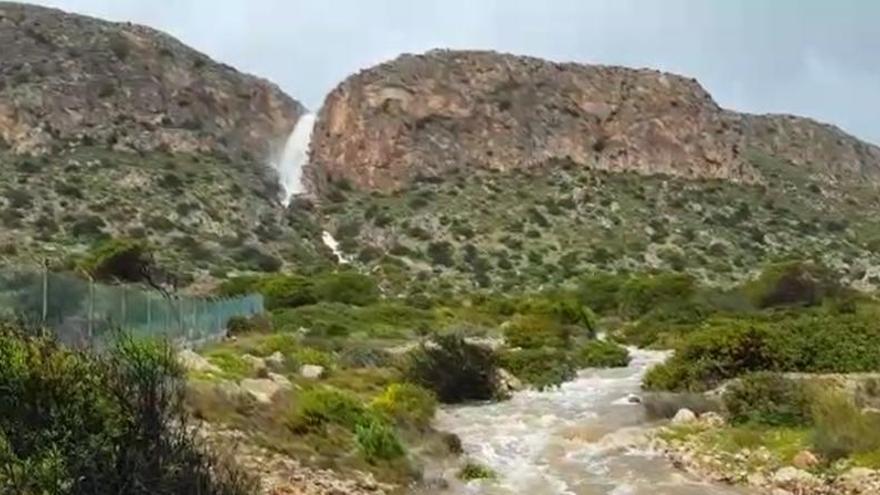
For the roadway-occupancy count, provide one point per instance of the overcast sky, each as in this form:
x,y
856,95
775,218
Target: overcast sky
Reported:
x,y
809,57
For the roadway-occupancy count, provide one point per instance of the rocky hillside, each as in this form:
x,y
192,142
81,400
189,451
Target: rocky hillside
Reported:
x,y
504,171
67,79
422,115
114,129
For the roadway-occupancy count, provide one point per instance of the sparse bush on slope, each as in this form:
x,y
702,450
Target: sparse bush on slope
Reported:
x,y
75,423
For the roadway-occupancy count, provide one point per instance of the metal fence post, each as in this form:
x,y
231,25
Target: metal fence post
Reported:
x,y
45,291
91,315
124,314
149,312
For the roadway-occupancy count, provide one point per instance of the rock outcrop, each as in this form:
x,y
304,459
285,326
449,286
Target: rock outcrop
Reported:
x,y
421,115
67,78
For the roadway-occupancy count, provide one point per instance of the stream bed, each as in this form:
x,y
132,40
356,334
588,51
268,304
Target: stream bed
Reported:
x,y
579,439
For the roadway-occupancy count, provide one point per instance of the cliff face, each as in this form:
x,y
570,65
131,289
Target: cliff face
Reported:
x,y
422,115
68,79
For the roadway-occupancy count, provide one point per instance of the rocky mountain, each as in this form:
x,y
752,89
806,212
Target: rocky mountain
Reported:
x,y
504,171
71,79
115,129
422,115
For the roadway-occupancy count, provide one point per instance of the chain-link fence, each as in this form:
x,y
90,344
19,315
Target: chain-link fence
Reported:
x,y
81,311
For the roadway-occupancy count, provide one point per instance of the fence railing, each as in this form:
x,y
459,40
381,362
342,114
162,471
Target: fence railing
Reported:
x,y
82,311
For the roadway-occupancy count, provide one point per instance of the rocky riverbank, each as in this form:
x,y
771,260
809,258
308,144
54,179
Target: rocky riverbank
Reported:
x,y
696,444
278,474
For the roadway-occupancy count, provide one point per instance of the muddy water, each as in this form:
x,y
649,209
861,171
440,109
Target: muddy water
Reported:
x,y
582,439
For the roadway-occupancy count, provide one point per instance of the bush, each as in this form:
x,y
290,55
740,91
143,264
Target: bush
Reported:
x,y
807,341
69,420
319,407
602,354
287,291
541,367
121,260
347,287
241,325
378,441
441,253
474,471
534,331
793,283
768,399
407,404
601,292
472,377
642,293
841,429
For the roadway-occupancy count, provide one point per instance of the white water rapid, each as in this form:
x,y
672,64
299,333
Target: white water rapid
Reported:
x,y
294,156
581,439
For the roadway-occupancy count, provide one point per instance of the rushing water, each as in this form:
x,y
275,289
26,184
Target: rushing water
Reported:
x,y
295,155
580,439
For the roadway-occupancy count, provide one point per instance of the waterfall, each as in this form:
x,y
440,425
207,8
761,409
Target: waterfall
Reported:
x,y
295,155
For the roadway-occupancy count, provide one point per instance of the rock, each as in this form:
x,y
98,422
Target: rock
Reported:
x,y
275,361
281,380
712,419
192,361
780,491
153,92
263,390
684,416
507,382
421,115
228,389
312,371
805,460
794,479
257,364
756,479
633,399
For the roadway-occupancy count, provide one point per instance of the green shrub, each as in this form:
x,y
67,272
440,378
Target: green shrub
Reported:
x,y
535,331
602,354
69,419
804,341
346,287
793,283
441,253
364,357
287,291
640,294
377,441
472,377
540,367
841,429
474,471
319,407
230,363
407,404
769,399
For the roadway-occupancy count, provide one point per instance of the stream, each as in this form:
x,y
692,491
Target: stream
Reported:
x,y
579,439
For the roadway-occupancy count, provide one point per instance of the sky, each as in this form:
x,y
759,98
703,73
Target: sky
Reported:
x,y
815,58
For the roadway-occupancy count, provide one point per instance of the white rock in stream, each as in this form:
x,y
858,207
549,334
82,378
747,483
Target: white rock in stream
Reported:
x,y
684,416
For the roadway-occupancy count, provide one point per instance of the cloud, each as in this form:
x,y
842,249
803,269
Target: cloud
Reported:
x,y
817,59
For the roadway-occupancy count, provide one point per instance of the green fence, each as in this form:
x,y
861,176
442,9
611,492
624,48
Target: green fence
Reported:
x,y
81,311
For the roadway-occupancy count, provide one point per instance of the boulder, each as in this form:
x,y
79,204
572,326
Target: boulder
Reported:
x,y
633,399
805,460
793,479
281,380
684,416
712,419
507,382
257,364
275,361
192,361
263,390
312,371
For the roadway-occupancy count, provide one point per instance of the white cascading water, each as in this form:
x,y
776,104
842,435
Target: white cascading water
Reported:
x,y
294,156
584,438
